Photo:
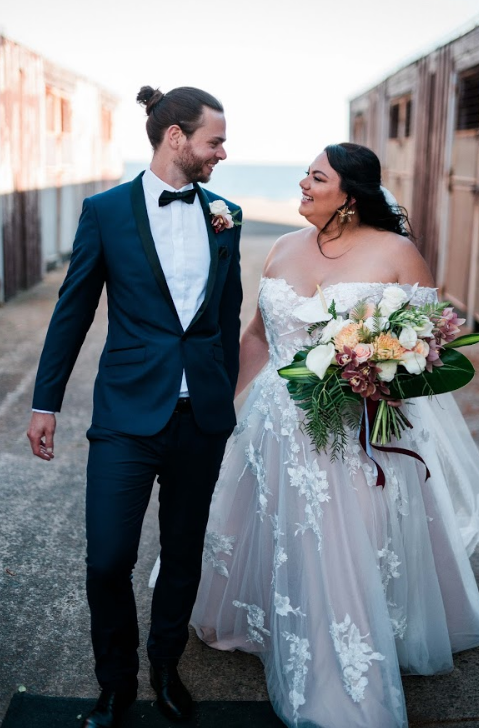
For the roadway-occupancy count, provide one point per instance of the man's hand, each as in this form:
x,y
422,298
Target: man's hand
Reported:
x,y
40,433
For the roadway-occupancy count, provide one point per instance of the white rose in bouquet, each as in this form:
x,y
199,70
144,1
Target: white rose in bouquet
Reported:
x,y
387,370
414,363
393,298
425,329
408,337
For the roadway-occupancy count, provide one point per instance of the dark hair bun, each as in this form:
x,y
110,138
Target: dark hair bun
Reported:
x,y
148,97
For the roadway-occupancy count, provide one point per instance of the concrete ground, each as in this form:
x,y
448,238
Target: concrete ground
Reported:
x,y
44,642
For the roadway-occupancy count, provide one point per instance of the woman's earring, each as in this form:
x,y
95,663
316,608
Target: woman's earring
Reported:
x,y
345,214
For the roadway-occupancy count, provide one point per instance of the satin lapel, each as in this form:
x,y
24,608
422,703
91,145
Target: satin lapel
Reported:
x,y
143,225
205,204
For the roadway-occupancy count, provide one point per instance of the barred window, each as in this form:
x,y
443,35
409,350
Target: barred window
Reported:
x,y
66,116
394,121
407,122
106,124
468,100
400,118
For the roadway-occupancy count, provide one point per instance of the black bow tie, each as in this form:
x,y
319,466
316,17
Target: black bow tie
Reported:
x,y
186,196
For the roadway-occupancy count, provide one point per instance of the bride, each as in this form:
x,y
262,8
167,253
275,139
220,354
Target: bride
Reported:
x,y
336,584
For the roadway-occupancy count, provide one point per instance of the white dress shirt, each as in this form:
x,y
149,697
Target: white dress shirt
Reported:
x,y
181,241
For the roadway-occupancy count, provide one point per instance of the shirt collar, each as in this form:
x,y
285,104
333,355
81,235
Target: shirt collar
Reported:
x,y
155,186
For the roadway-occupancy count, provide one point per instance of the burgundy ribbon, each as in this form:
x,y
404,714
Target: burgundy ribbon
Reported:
x,y
371,410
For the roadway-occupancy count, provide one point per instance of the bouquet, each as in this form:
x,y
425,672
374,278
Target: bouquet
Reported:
x,y
378,353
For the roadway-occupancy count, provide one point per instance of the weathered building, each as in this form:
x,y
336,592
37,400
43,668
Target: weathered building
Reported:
x,y
57,145
423,122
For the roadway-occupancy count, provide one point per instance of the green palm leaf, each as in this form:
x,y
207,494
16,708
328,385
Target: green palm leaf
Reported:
x,y
465,340
455,373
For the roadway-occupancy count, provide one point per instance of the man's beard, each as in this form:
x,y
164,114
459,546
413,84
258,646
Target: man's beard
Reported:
x,y
193,167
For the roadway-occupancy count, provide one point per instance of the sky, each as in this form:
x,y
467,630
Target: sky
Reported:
x,y
283,69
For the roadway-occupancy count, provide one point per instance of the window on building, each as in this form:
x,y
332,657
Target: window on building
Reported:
x,y
468,100
58,112
407,122
400,118
106,125
50,110
394,121
66,115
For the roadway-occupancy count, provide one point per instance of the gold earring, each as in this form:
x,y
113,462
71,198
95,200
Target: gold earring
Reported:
x,y
345,214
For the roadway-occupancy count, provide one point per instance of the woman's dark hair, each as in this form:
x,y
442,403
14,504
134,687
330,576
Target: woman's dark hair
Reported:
x,y
182,106
359,170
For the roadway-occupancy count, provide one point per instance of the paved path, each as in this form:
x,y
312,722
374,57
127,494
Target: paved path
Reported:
x,y
43,614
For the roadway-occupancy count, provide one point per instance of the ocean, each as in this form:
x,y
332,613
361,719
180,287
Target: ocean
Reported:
x,y
270,181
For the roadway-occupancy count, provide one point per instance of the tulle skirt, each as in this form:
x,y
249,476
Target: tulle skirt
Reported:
x,y
338,585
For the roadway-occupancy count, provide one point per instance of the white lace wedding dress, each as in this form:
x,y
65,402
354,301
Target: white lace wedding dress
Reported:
x,y
335,583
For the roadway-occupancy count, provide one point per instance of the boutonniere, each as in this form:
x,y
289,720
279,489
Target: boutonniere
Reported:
x,y
221,216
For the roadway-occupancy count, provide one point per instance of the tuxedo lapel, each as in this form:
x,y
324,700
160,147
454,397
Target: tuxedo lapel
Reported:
x,y
143,225
205,205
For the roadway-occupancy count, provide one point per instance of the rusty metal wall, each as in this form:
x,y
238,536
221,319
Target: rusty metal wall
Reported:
x,y
430,144
20,146
442,220
41,195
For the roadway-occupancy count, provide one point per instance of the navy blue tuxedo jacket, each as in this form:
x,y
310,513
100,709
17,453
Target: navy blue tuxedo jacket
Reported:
x,y
146,349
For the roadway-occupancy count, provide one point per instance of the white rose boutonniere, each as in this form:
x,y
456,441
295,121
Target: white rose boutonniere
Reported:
x,y
221,216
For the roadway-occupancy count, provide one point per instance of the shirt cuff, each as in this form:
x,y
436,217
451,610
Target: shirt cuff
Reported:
x,y
44,412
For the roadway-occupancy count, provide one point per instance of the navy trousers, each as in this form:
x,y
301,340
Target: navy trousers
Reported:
x,y
120,475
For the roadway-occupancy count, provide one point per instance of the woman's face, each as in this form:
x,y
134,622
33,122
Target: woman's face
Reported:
x,y
322,194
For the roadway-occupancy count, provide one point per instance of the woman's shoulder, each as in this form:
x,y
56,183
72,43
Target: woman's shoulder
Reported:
x,y
285,246
407,258
292,237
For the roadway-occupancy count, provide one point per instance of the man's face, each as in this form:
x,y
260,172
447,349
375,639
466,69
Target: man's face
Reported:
x,y
200,153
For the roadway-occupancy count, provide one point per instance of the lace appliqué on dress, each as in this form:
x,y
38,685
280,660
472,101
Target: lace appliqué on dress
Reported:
x,y
313,485
299,654
216,543
254,461
388,565
255,618
283,606
355,656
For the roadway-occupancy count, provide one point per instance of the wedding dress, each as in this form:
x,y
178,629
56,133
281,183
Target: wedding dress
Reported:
x,y
335,583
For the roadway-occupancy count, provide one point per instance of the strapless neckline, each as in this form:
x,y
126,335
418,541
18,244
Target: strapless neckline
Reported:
x,y
343,283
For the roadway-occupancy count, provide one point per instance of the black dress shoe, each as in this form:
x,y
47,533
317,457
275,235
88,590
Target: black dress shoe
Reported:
x,y
173,698
109,708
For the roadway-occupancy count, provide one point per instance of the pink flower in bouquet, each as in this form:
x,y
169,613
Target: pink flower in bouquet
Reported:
x,y
448,325
347,337
433,357
387,346
422,348
347,356
363,352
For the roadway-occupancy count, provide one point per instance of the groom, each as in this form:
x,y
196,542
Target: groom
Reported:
x,y
163,397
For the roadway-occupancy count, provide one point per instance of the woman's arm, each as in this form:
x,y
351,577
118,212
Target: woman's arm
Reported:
x,y
253,352
253,345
